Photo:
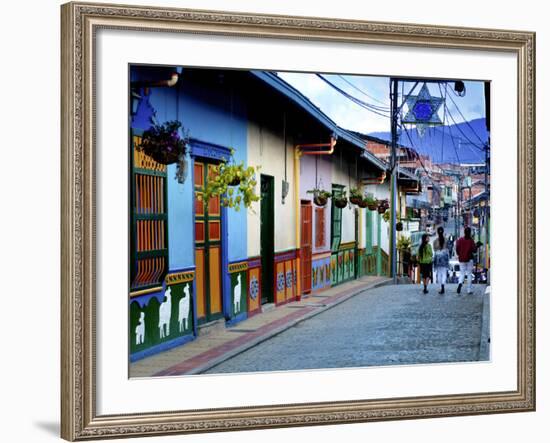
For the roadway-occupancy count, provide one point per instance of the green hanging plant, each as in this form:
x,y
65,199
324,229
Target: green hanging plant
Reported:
x,y
340,200
233,183
320,196
404,243
355,196
372,203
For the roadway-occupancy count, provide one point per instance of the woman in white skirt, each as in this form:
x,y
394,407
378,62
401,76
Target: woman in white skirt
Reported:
x,y
441,259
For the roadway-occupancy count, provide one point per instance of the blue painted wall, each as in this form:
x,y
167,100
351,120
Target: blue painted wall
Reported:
x,y
215,114
212,112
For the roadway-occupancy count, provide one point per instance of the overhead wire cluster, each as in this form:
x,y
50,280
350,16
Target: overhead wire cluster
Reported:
x,y
384,111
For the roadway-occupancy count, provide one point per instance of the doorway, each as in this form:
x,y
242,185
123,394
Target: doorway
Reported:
x,y
306,246
267,236
208,247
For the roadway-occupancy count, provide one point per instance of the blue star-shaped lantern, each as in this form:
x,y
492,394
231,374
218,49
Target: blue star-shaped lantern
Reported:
x,y
422,109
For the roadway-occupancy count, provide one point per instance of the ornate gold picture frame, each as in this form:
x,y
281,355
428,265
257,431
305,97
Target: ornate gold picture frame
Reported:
x,y
80,24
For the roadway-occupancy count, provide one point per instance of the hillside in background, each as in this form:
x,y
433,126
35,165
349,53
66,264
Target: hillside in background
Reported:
x,y
447,144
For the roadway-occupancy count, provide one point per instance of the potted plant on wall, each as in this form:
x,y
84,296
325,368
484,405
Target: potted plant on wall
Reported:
x,y
355,196
163,142
372,203
233,183
363,203
340,200
320,196
383,206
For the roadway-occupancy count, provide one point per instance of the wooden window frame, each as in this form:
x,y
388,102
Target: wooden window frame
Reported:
x,y
149,264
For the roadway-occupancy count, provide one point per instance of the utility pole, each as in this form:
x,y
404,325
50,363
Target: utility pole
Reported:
x,y
394,171
486,206
486,209
458,197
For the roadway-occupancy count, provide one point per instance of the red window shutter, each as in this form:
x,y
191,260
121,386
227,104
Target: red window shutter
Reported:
x,y
319,227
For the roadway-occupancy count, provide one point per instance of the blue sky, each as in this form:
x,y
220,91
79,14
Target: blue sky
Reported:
x,y
375,90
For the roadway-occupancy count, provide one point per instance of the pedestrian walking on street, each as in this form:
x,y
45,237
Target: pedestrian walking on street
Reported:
x,y
465,249
441,259
425,258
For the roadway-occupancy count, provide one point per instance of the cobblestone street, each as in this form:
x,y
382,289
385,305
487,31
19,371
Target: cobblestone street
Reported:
x,y
382,326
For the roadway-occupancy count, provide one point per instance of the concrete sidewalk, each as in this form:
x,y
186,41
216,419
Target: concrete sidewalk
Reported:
x,y
222,343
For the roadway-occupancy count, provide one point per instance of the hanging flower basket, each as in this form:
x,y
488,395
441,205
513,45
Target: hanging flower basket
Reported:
x,y
363,203
320,201
220,184
163,143
320,197
235,181
382,209
399,226
340,198
340,202
355,196
383,204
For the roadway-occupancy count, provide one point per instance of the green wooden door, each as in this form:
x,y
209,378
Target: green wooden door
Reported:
x,y
267,236
336,237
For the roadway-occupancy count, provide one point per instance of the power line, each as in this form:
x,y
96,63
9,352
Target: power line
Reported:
x,y
418,156
369,107
458,128
463,118
362,92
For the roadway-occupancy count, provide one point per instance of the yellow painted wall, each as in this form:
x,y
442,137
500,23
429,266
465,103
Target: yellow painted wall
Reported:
x,y
265,148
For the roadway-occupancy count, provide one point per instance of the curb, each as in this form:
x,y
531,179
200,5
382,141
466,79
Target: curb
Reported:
x,y
232,353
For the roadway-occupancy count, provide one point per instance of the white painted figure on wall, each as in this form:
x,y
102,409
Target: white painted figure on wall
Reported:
x,y
237,296
183,312
140,329
165,312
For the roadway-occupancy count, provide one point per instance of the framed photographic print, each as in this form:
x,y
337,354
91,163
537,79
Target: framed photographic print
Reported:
x,y
282,221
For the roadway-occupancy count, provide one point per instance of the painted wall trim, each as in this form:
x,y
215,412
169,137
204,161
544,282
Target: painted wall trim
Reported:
x,y
180,277
254,262
141,292
285,255
200,148
319,255
348,245
238,267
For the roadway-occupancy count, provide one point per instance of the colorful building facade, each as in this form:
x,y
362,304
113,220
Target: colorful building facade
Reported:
x,y
193,264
